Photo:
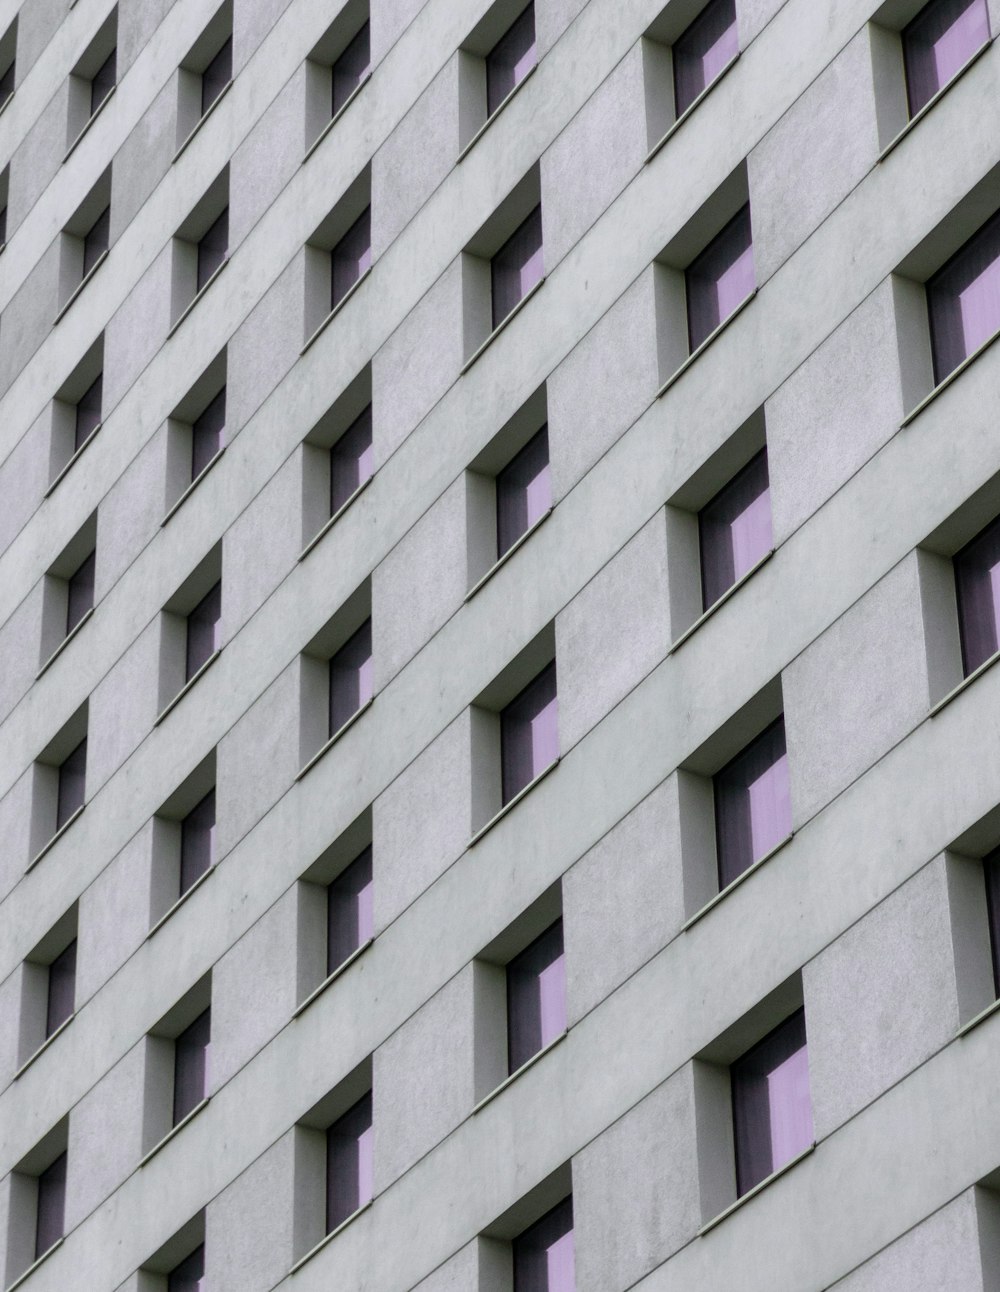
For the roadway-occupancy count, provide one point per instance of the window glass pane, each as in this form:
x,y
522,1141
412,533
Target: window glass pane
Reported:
x,y
991,872
350,919
203,630
517,266
213,249
51,1206
7,83
938,42
351,677
206,434
964,300
80,592
529,733
197,842
510,60
88,412
103,82
772,1112
349,1163
62,989
188,1276
351,257
72,783
536,997
352,461
543,1254
977,583
351,68
524,491
720,279
95,244
703,51
191,1065
753,810
217,76
735,529
3,227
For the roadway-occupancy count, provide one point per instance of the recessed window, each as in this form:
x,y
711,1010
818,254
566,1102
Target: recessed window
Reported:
x,y
88,412
963,299
4,193
753,812
80,592
536,997
938,43
517,266
977,584
188,1276
735,529
351,68
72,784
529,733
349,1163
95,243
350,917
524,491
703,51
103,81
991,874
772,1112
206,434
61,994
543,1254
720,278
511,59
51,1206
351,677
217,75
204,625
213,247
191,1049
351,257
352,461
197,842
7,82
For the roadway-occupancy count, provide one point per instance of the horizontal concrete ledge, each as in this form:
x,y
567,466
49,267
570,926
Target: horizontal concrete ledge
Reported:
x,y
202,119
741,878
197,297
913,121
45,1255
752,1193
72,461
328,525
54,840
336,116
529,1063
502,561
303,1260
509,807
697,353
981,1017
90,121
192,486
174,1130
344,727
80,286
500,326
336,310
965,682
195,677
192,888
720,601
44,1046
65,642
946,381
467,148
332,977
691,107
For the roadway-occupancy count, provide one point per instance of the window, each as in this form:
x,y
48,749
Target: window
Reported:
x,y
991,873
351,68
517,266
772,1113
80,592
103,81
88,412
95,243
351,257
188,1276
543,1254
963,300
213,247
203,631
72,784
703,51
217,75
7,83
349,1163
536,997
197,842
529,734
206,434
349,918
753,811
720,279
4,193
51,1206
977,584
351,677
510,60
735,529
524,491
938,43
61,994
191,1066
352,461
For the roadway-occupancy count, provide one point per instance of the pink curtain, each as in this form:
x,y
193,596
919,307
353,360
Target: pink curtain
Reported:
x,y
964,300
529,733
977,582
752,804
703,50
203,630
191,1065
720,279
352,460
188,1276
510,59
349,1163
536,997
206,434
197,841
351,257
939,42
543,1254
524,491
772,1111
72,784
735,529
351,677
349,910
517,266
351,68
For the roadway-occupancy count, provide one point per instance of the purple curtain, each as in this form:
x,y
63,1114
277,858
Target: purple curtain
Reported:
x,y
977,583
772,1112
188,1276
51,1208
964,300
991,873
206,434
524,491
80,592
735,529
217,76
720,279
351,677
88,412
349,908
62,989
543,1254
103,81
517,266
197,841
703,50
95,244
191,1065
351,257
72,784
529,733
213,248
510,60
352,461
203,625
938,43
536,997
351,68
349,1163
752,806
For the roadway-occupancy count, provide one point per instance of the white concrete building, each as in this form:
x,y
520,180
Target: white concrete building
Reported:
x,y
499,758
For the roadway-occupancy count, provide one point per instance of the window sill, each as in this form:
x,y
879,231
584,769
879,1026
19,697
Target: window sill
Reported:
x,y
80,286
697,353
202,119
169,912
64,643
758,1188
467,148
328,1238
336,310
735,883
328,525
192,486
197,297
174,1130
90,121
981,1017
44,1046
691,107
720,601
502,561
195,677
336,116
528,1063
72,460
21,1278
945,382
509,807
54,840
341,730
332,977
500,326
965,682
913,121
